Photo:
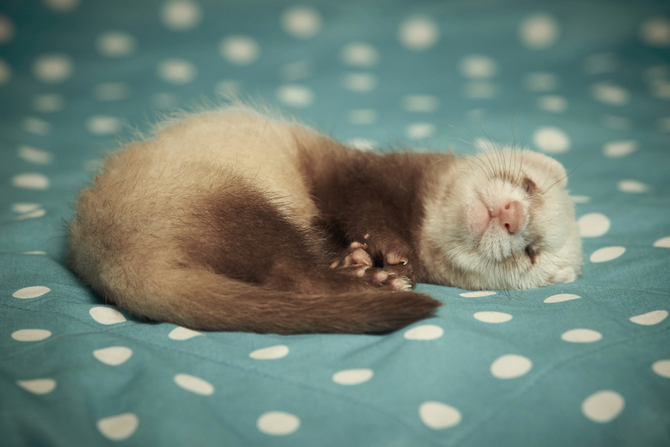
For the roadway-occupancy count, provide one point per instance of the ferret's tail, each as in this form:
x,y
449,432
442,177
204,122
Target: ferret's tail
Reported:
x,y
203,300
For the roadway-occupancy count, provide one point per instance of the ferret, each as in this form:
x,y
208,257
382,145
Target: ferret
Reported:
x,y
235,220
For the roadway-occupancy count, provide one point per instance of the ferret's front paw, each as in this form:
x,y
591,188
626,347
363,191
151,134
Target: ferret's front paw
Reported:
x,y
358,262
380,277
357,255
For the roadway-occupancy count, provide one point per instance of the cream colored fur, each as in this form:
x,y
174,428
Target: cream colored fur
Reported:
x,y
455,255
185,162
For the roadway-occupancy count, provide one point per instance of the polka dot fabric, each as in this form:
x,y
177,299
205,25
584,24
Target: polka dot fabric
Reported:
x,y
585,363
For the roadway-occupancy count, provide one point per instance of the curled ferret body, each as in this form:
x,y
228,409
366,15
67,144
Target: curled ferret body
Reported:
x,y
233,220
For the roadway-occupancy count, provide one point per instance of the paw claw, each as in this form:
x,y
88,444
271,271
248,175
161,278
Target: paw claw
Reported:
x,y
356,245
395,259
401,283
360,256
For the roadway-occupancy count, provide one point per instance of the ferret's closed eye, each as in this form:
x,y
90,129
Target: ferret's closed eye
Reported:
x,y
529,185
532,254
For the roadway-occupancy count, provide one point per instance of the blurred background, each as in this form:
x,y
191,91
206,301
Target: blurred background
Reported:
x,y
369,71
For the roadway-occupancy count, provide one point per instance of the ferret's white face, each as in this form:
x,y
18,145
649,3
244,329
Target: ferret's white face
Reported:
x,y
512,225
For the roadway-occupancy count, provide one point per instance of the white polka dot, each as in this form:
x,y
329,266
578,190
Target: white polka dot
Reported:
x,y
110,91
31,334
62,5
360,54
662,368
106,315
52,102
478,66
418,33
270,353
610,93
618,149
601,63
362,116
424,332
480,90
580,199
492,317
182,333
7,29
114,355
53,68
663,242
607,254
115,44
37,126
37,252
420,103
615,122
439,416
278,423
302,22
477,294
30,181
5,72
603,406
632,186
541,82
352,376
177,71
31,292
539,31
181,15
650,318
296,71
194,384
362,144
655,32
581,336
33,155
561,297
552,103
552,140
25,207
593,225
37,386
418,131
240,50
295,95
360,82
164,100
510,366
118,427
32,215
103,125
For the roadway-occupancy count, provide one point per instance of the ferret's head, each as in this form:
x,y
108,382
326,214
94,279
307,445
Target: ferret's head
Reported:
x,y
513,223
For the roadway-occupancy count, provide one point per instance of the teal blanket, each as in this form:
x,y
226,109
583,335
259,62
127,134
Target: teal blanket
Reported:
x,y
580,364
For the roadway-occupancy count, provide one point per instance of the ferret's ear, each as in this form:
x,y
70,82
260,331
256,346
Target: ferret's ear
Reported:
x,y
545,166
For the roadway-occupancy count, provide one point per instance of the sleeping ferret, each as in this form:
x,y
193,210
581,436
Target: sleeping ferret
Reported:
x,y
231,220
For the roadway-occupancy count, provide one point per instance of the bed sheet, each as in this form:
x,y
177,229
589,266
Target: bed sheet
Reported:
x,y
581,364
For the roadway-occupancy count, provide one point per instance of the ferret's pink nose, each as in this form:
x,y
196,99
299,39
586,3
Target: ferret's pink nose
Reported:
x,y
510,216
